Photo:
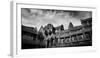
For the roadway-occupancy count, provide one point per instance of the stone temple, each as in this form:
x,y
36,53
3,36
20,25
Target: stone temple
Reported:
x,y
49,36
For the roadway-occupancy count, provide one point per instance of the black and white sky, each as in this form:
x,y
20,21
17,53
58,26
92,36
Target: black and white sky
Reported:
x,y
41,17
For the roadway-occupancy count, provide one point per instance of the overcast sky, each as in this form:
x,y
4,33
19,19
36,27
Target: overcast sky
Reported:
x,y
41,17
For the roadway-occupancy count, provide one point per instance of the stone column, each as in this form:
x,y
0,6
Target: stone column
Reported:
x,y
84,36
70,40
77,39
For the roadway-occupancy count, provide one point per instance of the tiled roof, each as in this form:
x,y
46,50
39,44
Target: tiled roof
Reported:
x,y
28,29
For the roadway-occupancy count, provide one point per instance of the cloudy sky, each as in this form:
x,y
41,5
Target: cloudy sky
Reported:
x,y
41,17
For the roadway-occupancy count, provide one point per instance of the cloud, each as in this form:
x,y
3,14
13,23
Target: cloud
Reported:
x,y
39,17
81,14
